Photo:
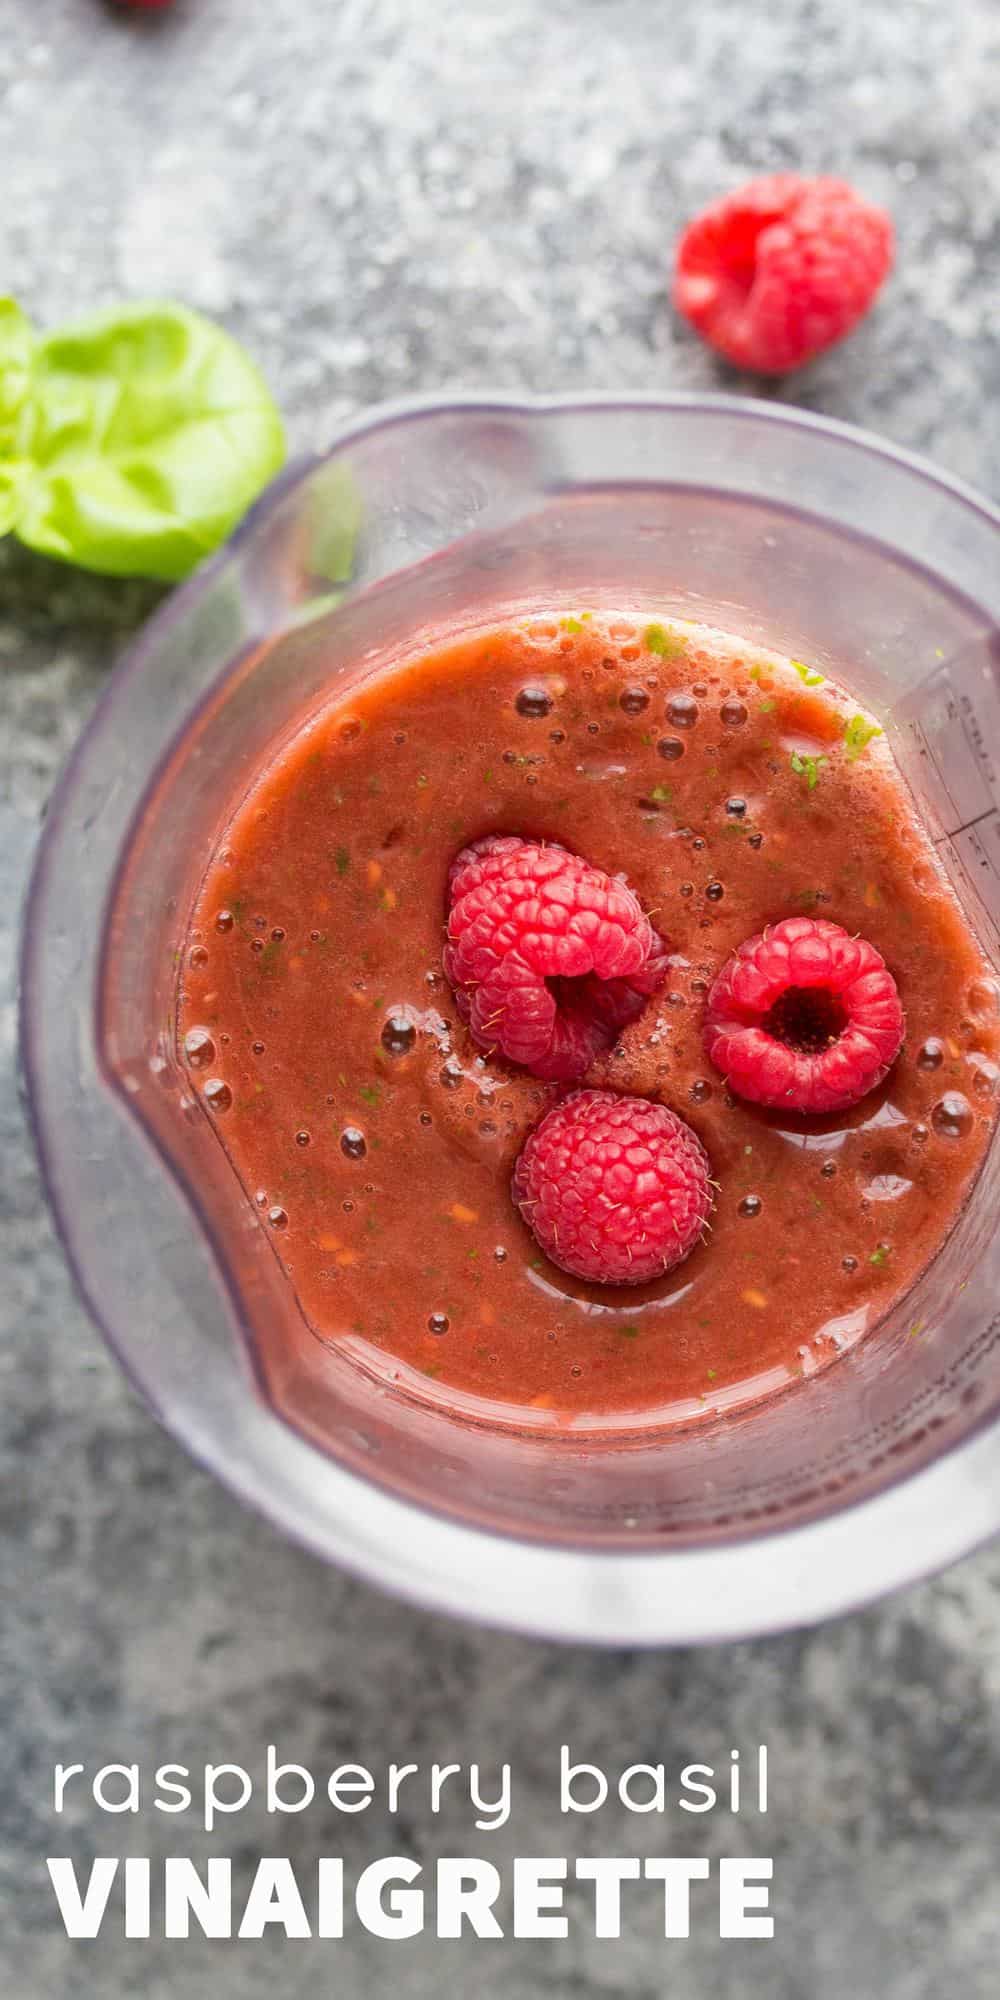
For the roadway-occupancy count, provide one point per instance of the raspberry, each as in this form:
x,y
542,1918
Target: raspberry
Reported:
x,y
776,272
804,1017
613,1189
549,958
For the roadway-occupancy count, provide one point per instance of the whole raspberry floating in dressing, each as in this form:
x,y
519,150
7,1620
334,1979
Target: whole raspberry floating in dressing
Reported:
x,y
778,271
614,1189
549,958
804,1018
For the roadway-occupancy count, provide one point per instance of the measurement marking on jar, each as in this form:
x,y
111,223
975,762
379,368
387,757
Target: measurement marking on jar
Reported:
x,y
945,732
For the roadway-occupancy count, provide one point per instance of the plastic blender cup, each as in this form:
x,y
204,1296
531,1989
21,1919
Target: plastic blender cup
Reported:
x,y
801,535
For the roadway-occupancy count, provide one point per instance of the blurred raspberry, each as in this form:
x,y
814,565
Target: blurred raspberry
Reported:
x,y
776,272
614,1189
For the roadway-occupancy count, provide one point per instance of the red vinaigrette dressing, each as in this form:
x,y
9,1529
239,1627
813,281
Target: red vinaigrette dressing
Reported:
x,y
732,788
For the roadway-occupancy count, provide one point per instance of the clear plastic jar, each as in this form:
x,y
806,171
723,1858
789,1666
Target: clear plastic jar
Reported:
x,y
801,534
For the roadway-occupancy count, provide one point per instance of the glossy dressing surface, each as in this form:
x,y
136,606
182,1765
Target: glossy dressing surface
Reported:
x,y
732,789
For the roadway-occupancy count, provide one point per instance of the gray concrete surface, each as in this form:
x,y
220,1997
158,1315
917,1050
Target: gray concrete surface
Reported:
x,y
380,196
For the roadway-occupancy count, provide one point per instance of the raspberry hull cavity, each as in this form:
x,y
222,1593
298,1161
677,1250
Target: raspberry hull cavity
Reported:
x,y
549,958
804,1018
614,1189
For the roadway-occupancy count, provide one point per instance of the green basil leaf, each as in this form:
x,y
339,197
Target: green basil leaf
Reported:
x,y
16,349
17,344
807,675
148,433
333,523
857,735
10,497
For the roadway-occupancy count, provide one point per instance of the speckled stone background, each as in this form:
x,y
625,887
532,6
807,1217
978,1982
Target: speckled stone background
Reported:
x,y
381,196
